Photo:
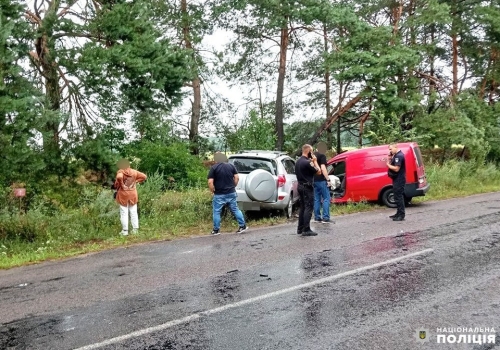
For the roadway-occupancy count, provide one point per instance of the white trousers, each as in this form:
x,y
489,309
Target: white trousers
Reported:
x,y
124,210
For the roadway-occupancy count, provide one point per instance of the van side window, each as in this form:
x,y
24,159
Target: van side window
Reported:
x,y
337,169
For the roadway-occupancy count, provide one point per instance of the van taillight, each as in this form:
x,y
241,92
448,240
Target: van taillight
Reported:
x,y
281,180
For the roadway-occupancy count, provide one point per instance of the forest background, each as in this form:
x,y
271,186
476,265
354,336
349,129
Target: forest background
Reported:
x,y
165,83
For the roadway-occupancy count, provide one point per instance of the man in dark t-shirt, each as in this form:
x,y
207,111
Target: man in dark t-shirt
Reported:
x,y
222,180
305,168
397,172
321,190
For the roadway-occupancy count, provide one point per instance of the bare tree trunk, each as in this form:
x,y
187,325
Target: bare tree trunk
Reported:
x,y
339,145
491,61
261,104
397,11
327,90
279,114
454,48
196,85
45,61
432,72
362,122
454,65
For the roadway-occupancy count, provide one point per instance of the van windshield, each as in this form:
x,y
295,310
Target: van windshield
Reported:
x,y
418,155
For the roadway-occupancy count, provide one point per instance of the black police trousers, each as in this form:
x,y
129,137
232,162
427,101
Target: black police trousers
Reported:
x,y
306,197
398,188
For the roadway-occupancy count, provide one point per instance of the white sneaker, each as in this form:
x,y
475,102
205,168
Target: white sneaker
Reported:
x,y
124,233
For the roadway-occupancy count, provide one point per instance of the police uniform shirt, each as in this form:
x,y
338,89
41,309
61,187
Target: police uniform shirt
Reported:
x,y
304,170
399,160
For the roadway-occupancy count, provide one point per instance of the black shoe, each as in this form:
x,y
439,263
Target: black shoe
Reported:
x,y
299,232
319,221
398,218
309,233
215,232
393,216
242,229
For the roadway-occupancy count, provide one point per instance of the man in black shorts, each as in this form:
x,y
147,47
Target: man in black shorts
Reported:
x,y
305,169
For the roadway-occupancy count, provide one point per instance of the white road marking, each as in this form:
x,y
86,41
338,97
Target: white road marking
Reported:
x,y
198,315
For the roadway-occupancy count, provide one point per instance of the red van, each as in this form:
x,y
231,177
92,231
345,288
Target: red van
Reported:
x,y
363,175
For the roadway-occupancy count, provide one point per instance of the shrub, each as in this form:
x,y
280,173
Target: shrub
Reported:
x,y
178,167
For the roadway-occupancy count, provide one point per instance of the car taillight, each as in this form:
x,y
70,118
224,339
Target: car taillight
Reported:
x,y
281,180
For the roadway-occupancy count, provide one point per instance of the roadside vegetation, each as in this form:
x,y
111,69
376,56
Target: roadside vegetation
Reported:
x,y
84,218
86,83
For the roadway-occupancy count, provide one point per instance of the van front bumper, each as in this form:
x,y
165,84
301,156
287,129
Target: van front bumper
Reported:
x,y
412,190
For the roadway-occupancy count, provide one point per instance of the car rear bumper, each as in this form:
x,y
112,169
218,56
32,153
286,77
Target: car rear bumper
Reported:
x,y
246,204
412,190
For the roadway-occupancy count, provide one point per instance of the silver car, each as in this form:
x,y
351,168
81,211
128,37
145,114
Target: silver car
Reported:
x,y
267,181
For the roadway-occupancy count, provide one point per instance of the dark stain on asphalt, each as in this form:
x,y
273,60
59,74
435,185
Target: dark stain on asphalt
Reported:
x,y
225,288
21,333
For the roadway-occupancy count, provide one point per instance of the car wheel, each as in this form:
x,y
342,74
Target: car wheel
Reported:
x,y
288,210
388,198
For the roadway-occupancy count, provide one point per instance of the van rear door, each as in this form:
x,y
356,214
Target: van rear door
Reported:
x,y
419,173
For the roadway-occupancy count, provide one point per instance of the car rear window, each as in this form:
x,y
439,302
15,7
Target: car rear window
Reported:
x,y
247,165
418,155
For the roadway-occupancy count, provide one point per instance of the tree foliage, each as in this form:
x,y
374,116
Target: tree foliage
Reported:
x,y
83,83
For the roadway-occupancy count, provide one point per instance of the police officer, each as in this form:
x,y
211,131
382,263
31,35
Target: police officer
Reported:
x,y
397,172
305,169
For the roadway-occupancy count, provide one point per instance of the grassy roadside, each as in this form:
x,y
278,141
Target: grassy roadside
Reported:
x,y
53,232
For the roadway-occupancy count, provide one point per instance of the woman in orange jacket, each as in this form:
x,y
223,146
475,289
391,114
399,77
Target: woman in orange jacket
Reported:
x,y
126,196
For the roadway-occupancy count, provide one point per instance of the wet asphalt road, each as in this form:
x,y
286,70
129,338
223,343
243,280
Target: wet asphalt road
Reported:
x,y
365,282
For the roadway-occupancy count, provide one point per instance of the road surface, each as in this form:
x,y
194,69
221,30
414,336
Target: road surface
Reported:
x,y
365,282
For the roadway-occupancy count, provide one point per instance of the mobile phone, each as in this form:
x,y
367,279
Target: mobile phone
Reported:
x,y
309,155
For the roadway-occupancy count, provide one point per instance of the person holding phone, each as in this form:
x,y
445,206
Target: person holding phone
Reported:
x,y
305,169
397,172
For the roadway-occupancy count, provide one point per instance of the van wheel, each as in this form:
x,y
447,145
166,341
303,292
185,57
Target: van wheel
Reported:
x,y
288,210
388,198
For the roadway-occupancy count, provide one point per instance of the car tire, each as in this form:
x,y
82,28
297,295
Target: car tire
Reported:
x,y
288,210
387,198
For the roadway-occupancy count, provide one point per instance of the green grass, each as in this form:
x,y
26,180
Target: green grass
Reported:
x,y
49,230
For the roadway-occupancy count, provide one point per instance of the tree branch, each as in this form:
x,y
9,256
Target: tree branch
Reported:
x,y
31,16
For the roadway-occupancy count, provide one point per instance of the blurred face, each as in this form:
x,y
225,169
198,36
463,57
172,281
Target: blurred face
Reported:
x,y
322,147
393,149
123,164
